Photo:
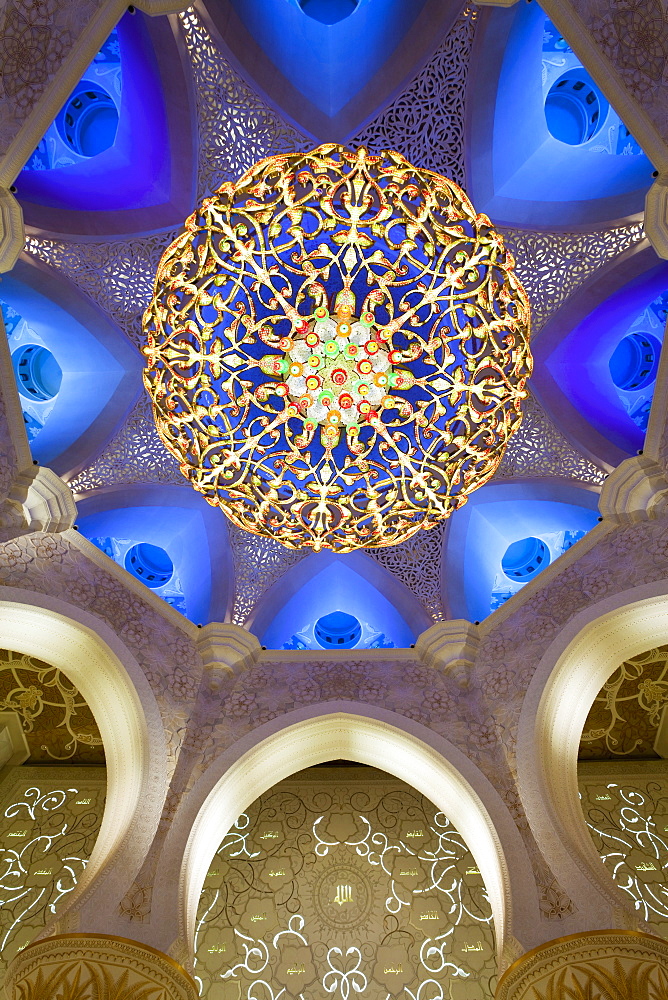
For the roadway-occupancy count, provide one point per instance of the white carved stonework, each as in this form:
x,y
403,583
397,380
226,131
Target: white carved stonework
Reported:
x,y
118,275
46,501
12,233
226,648
417,563
539,448
636,488
426,122
135,454
451,647
552,266
656,215
258,564
236,127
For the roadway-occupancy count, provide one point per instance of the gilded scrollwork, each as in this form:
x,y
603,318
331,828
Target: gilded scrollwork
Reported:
x,y
48,827
624,718
599,965
330,890
337,349
56,719
96,966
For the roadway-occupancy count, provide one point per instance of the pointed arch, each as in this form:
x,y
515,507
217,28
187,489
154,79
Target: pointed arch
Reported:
x,y
127,715
381,739
570,675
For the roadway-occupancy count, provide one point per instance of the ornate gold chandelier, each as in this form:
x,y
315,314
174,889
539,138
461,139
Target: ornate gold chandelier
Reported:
x,y
337,349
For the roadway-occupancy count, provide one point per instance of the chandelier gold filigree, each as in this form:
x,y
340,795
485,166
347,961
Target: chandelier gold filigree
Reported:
x,y
337,349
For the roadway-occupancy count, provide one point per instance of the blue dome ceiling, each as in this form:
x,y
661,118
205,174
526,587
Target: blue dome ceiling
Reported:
x,y
597,360
77,374
118,157
330,64
544,150
547,149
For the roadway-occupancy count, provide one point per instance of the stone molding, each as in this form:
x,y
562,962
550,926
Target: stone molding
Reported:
x,y
656,215
87,966
636,489
46,501
65,63
592,965
450,647
226,650
38,500
12,231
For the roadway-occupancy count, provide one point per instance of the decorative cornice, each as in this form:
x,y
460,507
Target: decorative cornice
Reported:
x,y
450,647
12,232
656,215
49,966
588,957
226,649
46,501
637,488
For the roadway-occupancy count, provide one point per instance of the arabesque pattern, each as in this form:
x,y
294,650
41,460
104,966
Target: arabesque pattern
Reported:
x,y
627,816
48,827
625,716
398,349
57,721
363,889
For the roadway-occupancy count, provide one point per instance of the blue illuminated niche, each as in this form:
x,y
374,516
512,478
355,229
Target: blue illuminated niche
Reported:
x,y
108,147
175,545
139,559
324,592
525,558
505,536
607,365
338,630
560,153
88,122
328,11
73,383
328,50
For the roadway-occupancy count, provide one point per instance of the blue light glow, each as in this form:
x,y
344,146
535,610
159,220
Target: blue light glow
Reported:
x,y
110,151
602,367
560,153
338,630
328,11
178,552
328,49
88,122
322,584
505,527
54,358
122,551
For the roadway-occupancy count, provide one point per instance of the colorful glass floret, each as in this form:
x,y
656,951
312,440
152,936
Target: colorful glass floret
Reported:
x,y
337,349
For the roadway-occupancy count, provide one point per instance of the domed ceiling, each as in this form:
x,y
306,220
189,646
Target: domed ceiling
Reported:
x,y
172,107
